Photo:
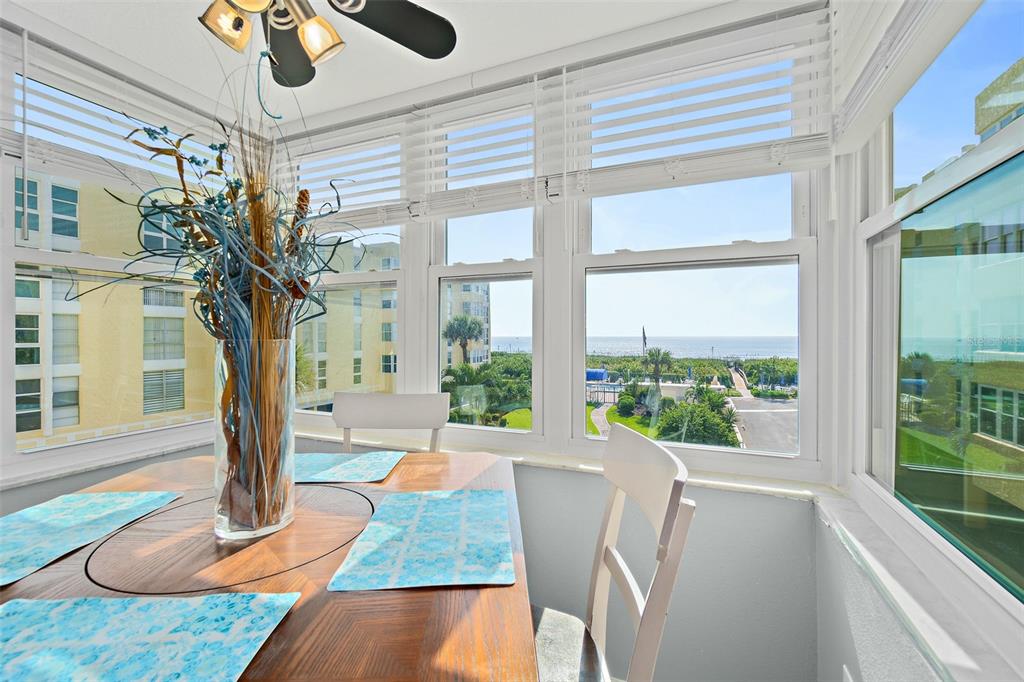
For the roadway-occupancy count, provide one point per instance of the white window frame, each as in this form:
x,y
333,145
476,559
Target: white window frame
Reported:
x,y
802,248
530,269
983,600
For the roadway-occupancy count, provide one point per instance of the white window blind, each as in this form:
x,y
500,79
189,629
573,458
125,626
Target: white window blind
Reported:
x,y
78,115
163,391
745,100
65,339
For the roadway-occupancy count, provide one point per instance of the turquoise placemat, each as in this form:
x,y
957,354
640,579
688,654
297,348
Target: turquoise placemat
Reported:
x,y
329,467
33,537
140,638
441,537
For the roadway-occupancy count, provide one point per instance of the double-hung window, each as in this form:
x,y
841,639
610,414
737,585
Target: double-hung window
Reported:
x,y
26,339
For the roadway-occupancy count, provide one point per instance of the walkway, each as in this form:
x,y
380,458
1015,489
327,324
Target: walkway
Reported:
x,y
740,384
600,419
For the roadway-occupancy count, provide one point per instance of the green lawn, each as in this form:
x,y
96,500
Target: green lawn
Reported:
x,y
638,424
928,449
591,429
520,419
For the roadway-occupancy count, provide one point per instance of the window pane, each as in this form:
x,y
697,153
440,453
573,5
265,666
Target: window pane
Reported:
x,y
374,249
969,93
959,462
487,351
759,209
695,355
26,288
490,237
343,350
99,381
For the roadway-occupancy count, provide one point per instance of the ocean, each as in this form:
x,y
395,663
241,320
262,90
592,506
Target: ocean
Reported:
x,y
679,346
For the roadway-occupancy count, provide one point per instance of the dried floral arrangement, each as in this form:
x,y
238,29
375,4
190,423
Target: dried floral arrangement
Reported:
x,y
256,262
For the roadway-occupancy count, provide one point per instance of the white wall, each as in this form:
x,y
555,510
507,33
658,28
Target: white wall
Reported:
x,y
744,605
856,626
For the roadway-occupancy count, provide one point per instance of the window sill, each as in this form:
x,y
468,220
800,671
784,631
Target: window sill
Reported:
x,y
974,637
65,460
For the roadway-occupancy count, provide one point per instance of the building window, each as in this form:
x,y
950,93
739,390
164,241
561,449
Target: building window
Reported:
x,y
163,391
63,289
321,336
389,300
64,203
159,234
164,338
959,455
33,204
65,339
26,288
321,374
389,263
167,298
65,401
357,337
488,388
968,94
388,364
387,331
26,339
28,405
357,371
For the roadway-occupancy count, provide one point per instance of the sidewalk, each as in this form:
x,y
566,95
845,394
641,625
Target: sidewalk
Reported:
x,y
740,384
598,416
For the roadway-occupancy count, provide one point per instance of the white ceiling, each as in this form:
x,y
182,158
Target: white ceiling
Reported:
x,y
164,36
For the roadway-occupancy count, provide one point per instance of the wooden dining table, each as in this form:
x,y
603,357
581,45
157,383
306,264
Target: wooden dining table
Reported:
x,y
429,633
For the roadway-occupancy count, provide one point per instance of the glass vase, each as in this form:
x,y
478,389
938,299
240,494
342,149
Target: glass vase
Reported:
x,y
254,450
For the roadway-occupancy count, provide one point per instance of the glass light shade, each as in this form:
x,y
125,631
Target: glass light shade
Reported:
x,y
228,24
320,40
254,6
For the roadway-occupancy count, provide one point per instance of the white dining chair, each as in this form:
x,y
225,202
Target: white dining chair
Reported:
x,y
391,411
569,650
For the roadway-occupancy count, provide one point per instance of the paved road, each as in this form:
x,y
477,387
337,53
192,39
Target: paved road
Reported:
x,y
767,424
598,416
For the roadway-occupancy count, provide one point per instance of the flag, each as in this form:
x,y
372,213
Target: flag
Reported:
x,y
643,331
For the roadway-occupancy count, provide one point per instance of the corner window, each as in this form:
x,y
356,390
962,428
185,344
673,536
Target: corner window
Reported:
x,y
952,450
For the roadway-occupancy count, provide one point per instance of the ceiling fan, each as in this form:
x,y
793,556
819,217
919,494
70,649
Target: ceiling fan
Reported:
x,y
299,40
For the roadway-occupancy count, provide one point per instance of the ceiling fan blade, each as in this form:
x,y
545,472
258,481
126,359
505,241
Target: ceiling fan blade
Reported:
x,y
292,67
409,25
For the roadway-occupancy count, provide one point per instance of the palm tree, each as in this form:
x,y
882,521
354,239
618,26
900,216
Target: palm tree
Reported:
x,y
462,329
657,359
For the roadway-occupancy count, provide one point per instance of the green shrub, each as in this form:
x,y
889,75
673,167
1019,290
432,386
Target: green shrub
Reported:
x,y
627,405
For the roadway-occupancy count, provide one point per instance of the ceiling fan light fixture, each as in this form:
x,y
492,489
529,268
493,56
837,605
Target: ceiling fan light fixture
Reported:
x,y
253,6
320,40
228,24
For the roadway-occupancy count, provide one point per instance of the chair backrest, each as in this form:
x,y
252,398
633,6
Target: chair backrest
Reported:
x,y
653,478
391,411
